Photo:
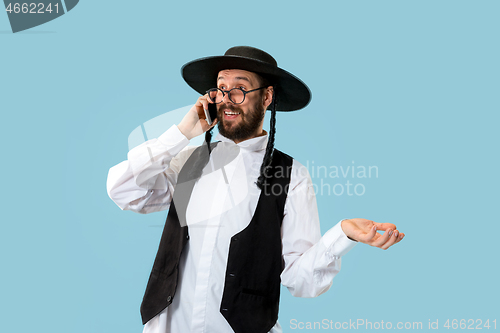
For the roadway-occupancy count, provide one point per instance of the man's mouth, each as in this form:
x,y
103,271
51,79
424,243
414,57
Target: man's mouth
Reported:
x,y
228,114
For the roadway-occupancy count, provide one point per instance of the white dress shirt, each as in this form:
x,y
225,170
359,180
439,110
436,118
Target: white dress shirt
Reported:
x,y
222,204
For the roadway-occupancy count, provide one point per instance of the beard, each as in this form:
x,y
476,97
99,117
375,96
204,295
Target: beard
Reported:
x,y
246,127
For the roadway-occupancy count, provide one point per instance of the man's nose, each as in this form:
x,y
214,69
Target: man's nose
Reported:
x,y
226,98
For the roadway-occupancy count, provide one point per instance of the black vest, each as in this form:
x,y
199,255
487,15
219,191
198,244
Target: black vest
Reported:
x,y
250,300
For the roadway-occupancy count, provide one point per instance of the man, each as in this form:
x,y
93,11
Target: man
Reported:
x,y
243,216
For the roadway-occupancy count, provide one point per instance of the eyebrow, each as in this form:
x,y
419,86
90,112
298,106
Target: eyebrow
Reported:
x,y
236,78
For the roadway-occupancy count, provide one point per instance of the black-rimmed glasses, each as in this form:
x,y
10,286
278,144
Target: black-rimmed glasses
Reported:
x,y
236,95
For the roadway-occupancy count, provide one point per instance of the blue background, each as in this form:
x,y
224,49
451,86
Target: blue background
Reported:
x,y
411,87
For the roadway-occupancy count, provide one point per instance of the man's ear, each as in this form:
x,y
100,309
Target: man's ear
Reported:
x,y
268,96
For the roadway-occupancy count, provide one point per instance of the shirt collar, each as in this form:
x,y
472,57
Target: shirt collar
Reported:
x,y
253,144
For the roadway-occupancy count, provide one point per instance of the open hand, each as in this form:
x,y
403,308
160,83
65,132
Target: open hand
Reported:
x,y
365,231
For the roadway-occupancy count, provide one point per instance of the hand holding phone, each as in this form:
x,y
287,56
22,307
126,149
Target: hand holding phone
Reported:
x,y
211,113
193,123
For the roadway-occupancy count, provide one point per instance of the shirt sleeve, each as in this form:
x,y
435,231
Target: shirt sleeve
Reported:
x,y
310,261
144,183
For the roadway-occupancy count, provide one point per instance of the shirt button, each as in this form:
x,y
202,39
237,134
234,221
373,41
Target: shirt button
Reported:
x,y
232,274
169,298
187,237
223,309
235,239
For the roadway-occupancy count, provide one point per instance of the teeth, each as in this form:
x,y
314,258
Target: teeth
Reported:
x,y
231,113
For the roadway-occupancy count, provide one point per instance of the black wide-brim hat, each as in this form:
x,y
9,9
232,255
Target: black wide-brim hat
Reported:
x,y
292,94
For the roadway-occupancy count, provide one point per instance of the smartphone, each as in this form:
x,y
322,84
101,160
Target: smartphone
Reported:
x,y
211,113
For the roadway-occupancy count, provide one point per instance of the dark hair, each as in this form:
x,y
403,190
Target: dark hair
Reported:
x,y
208,138
268,156
263,82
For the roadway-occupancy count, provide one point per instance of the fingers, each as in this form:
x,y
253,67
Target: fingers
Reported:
x,y
202,106
204,121
385,226
202,110
194,122
370,236
206,126
383,239
394,238
400,238
365,231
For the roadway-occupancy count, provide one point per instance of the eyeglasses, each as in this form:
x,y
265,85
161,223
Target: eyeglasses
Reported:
x,y
236,95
